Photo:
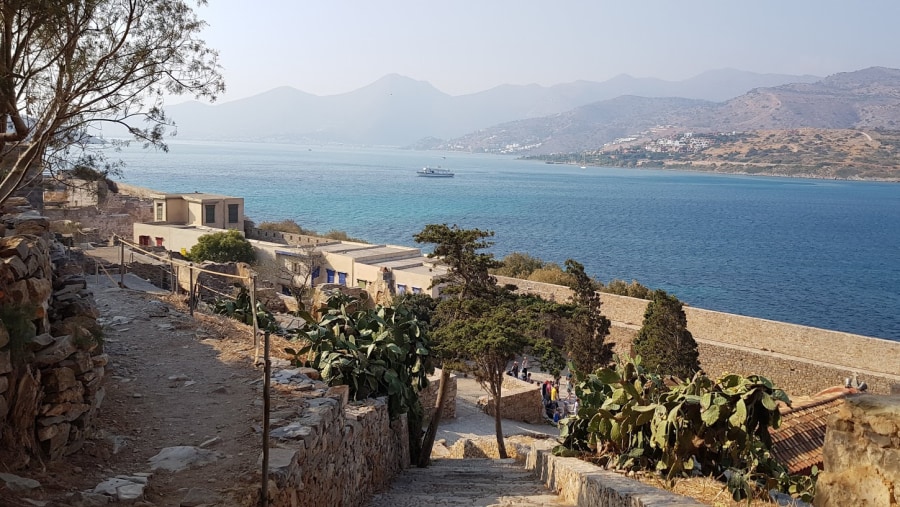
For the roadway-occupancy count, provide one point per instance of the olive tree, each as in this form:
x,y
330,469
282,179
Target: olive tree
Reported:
x,y
67,65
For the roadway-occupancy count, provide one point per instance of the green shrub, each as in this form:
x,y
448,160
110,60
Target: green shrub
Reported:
x,y
226,246
664,342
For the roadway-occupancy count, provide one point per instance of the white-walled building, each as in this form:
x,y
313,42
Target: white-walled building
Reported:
x,y
181,219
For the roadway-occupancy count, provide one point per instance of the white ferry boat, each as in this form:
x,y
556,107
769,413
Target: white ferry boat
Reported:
x,y
435,172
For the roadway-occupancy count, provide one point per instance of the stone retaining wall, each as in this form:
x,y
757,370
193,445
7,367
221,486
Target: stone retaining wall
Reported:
x,y
51,358
329,452
519,401
428,397
582,483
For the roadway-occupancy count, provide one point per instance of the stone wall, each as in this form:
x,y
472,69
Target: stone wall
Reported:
x,y
862,454
286,238
428,397
583,483
51,360
329,452
802,360
519,401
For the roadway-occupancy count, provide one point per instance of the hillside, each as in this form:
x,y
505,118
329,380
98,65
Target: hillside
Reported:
x,y
807,153
866,99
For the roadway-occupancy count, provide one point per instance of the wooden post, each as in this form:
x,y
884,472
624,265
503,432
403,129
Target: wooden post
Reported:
x,y
253,312
266,404
191,281
174,275
121,264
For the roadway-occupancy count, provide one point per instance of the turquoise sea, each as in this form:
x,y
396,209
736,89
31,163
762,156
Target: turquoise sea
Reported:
x,y
816,252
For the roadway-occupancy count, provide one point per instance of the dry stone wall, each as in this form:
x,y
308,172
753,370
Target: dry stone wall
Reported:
x,y
428,396
329,452
519,401
51,360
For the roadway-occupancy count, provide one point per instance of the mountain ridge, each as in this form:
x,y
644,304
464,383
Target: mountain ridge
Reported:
x,y
397,110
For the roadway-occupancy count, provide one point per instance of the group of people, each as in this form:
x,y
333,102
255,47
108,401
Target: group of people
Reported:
x,y
514,371
556,406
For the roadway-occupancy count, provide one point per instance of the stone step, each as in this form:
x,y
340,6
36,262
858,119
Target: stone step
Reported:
x,y
469,482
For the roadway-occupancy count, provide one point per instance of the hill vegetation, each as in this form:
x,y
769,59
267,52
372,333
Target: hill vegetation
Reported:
x,y
807,152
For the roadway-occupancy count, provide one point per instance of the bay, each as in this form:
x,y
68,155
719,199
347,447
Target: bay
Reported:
x,y
821,253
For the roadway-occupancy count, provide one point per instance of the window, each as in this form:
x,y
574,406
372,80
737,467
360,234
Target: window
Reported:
x,y
417,290
361,283
159,212
329,276
144,240
210,214
232,213
159,241
401,289
342,278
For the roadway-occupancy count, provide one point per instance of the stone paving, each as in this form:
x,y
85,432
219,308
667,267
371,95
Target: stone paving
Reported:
x,y
470,482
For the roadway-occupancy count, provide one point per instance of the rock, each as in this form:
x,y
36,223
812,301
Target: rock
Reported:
x,y
181,457
59,379
19,484
88,499
5,362
15,268
15,246
4,335
197,497
62,348
861,453
39,342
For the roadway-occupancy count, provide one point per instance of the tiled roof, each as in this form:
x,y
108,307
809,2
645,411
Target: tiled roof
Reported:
x,y
798,442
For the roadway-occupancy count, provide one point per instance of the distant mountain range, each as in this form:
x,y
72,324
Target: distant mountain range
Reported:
x,y
864,99
400,111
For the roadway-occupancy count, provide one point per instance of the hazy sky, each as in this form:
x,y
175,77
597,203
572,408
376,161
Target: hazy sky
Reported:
x,y
329,47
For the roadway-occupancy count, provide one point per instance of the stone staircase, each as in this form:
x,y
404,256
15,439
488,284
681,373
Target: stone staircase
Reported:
x,y
473,482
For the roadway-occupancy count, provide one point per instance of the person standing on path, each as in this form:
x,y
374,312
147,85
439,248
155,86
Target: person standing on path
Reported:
x,y
525,365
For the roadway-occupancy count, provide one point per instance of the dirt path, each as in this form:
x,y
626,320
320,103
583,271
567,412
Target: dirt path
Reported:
x,y
172,380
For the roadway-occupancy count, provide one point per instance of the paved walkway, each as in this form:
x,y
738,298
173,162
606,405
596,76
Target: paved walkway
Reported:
x,y
471,422
470,482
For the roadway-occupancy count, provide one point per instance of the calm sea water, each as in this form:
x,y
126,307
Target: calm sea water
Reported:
x,y
814,252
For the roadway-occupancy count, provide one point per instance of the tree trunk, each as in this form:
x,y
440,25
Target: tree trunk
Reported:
x,y
498,425
431,432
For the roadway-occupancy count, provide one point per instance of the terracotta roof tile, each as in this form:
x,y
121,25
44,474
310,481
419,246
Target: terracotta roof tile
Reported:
x,y
798,442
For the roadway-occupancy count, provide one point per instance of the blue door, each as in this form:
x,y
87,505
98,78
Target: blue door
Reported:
x,y
342,278
329,273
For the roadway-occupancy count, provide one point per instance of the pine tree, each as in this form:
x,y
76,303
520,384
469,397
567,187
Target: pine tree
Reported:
x,y
664,343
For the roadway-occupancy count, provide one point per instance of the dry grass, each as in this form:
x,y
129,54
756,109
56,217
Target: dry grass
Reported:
x,y
702,489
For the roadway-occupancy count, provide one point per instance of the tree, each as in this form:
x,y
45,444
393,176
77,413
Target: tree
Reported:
x,y
518,265
68,65
586,346
467,276
490,335
664,343
228,246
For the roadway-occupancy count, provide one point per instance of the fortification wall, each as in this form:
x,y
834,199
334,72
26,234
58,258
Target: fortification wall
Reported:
x,y
802,360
